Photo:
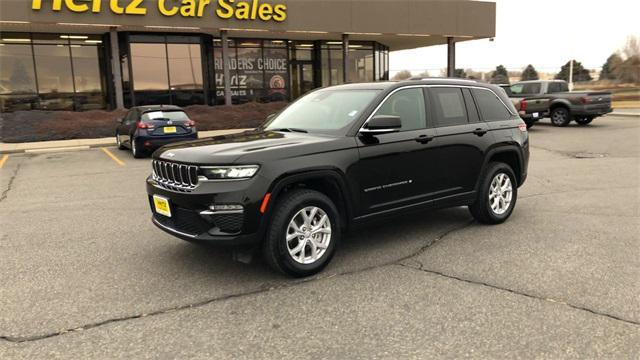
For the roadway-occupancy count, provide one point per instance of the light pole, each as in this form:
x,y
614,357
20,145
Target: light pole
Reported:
x,y
571,75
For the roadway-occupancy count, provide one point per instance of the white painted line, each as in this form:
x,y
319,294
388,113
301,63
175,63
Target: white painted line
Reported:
x,y
60,149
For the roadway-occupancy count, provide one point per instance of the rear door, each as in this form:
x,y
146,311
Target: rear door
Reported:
x,y
462,138
398,169
128,126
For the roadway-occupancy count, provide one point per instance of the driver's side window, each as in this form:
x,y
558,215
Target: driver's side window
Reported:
x,y
409,105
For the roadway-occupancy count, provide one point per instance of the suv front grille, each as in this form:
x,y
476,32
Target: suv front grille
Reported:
x,y
173,176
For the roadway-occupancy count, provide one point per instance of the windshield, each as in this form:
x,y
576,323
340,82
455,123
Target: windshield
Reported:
x,y
165,116
323,111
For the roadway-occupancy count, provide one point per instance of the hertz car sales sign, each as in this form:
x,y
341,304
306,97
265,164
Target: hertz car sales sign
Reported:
x,y
225,9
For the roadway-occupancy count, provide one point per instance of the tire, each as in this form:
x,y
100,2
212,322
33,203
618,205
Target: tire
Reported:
x,y
529,124
280,254
560,116
482,209
119,143
137,153
583,121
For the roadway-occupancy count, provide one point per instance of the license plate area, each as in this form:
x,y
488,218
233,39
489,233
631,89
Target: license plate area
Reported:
x,y
162,206
170,130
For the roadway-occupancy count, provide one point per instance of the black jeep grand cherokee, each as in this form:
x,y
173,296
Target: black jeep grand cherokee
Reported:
x,y
339,156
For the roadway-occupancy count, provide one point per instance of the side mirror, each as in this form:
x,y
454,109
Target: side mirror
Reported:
x,y
382,124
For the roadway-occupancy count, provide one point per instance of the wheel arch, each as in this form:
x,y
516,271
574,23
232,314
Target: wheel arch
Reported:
x,y
559,103
508,154
328,181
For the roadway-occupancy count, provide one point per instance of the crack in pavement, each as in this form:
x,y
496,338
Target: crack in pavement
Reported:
x,y
10,184
259,290
516,292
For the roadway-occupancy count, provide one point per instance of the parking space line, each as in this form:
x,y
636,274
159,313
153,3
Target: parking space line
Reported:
x,y
3,160
113,157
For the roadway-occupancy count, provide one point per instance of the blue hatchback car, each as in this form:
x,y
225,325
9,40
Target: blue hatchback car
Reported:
x,y
146,128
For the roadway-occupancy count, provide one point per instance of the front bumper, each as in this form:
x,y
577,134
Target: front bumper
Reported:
x,y
193,220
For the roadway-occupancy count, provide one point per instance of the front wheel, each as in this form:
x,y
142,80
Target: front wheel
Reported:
x,y
584,120
497,195
303,233
119,142
560,116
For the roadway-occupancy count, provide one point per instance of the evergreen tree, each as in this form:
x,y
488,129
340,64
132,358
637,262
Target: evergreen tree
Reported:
x,y
529,73
500,75
609,67
579,72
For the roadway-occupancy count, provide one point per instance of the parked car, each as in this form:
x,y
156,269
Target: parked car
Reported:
x,y
538,99
146,128
339,157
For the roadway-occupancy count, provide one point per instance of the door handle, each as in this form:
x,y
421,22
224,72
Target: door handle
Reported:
x,y
423,139
480,131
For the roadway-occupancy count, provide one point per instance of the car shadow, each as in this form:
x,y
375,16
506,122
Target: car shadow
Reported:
x,y
366,246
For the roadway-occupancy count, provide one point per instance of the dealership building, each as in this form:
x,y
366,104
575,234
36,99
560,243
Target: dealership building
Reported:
x,y
105,54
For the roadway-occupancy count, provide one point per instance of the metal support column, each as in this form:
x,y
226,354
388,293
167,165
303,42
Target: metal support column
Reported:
x,y
345,58
116,70
451,57
226,64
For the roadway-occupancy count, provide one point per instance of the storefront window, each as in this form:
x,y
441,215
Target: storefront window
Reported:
x,y
258,70
167,70
50,72
185,74
360,63
87,78
332,64
17,78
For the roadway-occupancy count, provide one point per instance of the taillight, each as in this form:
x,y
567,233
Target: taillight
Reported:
x,y
522,127
142,125
191,123
523,105
584,100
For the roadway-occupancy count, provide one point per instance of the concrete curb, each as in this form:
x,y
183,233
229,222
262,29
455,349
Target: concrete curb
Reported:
x,y
624,114
83,144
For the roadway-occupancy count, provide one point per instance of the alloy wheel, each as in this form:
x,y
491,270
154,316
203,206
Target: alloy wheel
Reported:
x,y
559,117
308,235
500,194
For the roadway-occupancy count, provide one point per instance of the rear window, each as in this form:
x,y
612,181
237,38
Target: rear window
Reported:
x,y
526,89
165,116
556,87
491,108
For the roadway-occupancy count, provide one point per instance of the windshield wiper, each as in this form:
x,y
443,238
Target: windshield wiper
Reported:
x,y
292,130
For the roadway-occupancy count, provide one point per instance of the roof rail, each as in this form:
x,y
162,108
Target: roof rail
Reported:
x,y
440,79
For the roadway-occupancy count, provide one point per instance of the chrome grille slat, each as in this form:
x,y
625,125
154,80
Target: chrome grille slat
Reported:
x,y
174,176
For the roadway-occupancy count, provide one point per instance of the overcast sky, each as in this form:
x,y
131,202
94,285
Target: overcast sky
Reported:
x,y
545,33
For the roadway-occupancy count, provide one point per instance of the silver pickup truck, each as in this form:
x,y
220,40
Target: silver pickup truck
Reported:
x,y
536,99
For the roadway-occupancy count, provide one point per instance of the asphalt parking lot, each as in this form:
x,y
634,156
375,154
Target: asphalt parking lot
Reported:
x,y
86,275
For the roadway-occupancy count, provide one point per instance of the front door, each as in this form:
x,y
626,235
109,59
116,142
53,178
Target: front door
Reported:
x,y
301,78
400,168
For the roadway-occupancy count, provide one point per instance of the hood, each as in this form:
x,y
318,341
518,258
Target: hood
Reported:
x,y
250,146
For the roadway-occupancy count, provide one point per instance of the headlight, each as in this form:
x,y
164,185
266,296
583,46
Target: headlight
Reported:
x,y
230,172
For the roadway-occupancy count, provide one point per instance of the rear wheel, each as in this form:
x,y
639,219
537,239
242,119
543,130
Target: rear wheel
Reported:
x,y
303,234
560,116
529,124
497,196
137,153
584,120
